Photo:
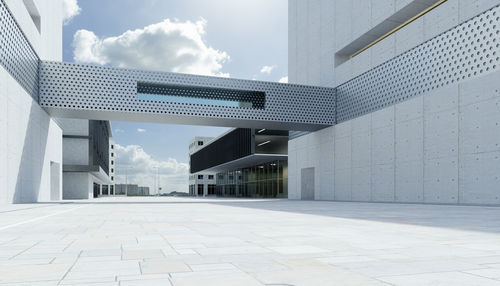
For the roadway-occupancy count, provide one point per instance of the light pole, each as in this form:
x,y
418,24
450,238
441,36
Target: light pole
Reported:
x,y
159,185
126,181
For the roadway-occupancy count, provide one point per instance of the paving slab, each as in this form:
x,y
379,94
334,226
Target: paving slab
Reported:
x,y
200,241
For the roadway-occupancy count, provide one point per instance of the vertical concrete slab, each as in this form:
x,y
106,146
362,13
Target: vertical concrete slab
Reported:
x,y
480,89
479,178
409,182
441,134
343,161
292,41
293,190
409,141
441,180
361,184
382,186
307,183
382,146
480,127
435,23
471,8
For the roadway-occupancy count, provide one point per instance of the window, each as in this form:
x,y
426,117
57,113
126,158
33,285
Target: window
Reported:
x,y
183,94
200,177
200,190
211,190
112,162
112,170
200,143
210,177
112,146
112,154
112,178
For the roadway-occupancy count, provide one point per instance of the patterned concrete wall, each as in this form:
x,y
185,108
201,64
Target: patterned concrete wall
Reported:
x,y
319,29
443,147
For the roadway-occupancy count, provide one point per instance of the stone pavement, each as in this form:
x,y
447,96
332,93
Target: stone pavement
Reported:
x,y
188,241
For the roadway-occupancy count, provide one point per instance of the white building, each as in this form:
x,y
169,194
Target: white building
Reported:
x,y
201,184
401,98
418,124
30,140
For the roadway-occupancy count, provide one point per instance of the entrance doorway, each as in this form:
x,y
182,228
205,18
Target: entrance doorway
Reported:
x,y
96,190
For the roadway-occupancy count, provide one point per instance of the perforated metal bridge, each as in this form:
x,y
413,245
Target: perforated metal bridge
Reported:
x,y
104,93
469,50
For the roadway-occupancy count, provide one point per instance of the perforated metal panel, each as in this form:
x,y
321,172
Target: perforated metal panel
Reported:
x,y
16,54
468,50
97,92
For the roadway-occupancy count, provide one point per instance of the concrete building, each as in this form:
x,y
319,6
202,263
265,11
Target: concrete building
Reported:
x,y
30,139
86,158
247,162
389,101
417,112
112,157
131,190
201,183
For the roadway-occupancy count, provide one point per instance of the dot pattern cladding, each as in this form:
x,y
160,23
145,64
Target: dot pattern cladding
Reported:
x,y
17,56
465,51
89,87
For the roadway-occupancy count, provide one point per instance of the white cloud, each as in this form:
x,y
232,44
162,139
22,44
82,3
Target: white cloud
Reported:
x,y
172,46
70,10
267,69
141,130
136,166
118,130
283,79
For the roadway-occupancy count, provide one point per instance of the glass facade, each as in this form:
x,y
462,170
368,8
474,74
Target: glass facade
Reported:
x,y
268,180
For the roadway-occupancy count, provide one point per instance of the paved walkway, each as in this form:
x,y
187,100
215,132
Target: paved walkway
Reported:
x,y
173,241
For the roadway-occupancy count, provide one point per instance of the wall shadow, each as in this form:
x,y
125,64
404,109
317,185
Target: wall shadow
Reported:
x,y
29,175
461,217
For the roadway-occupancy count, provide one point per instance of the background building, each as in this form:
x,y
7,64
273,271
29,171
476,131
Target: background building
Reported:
x,y
415,110
201,183
112,157
248,163
131,190
86,158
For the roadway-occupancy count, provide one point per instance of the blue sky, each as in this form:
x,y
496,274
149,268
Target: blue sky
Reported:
x,y
241,39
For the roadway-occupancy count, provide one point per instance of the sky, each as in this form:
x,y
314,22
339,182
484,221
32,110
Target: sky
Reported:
x,y
230,38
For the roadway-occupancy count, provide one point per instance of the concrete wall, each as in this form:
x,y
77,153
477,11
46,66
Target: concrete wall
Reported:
x,y
443,147
48,42
75,150
29,139
78,186
320,29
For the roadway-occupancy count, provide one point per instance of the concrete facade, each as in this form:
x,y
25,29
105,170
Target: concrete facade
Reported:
x,y
80,174
200,179
321,30
30,140
441,147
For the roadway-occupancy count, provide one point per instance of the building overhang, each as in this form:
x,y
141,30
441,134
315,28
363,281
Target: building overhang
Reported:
x,y
94,170
248,161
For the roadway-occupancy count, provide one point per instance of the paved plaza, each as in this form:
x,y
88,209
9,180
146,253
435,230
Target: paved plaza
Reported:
x,y
174,241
